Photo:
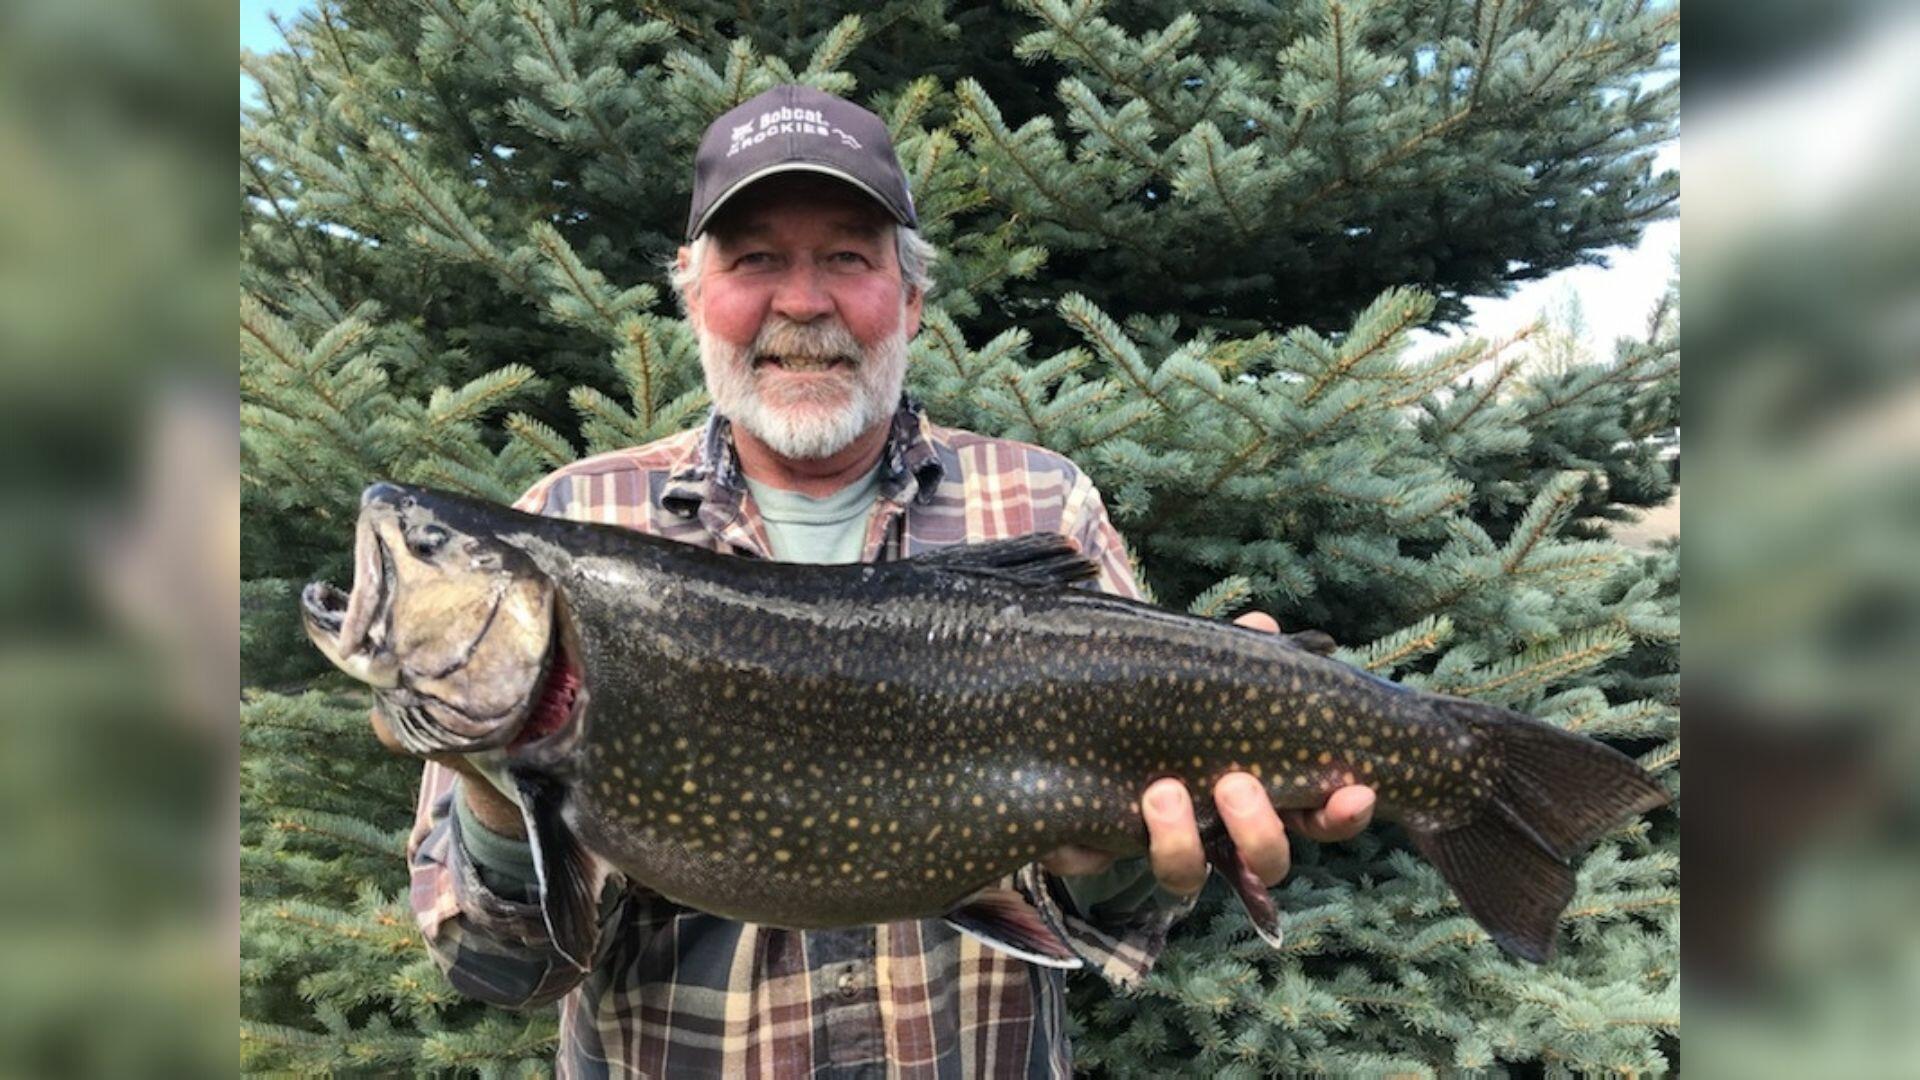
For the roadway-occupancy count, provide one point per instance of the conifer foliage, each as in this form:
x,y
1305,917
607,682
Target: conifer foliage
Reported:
x,y
1185,245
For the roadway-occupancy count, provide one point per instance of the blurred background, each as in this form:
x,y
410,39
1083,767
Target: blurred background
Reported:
x,y
1802,289
1801,276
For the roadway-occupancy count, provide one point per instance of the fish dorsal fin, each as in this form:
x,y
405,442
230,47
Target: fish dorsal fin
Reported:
x,y
1037,559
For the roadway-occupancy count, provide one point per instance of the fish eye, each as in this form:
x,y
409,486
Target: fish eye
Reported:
x,y
426,541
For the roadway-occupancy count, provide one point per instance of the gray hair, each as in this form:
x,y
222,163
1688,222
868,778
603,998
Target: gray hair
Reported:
x,y
911,251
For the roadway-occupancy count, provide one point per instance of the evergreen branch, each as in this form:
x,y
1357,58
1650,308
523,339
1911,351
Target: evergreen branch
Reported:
x,y
1544,517
1066,26
1085,105
1501,373
1093,324
1210,143
342,829
452,222
1391,157
585,284
835,47
1543,667
987,123
534,17
293,233
1414,307
1445,371
1391,652
1232,467
479,396
1223,596
549,444
1662,758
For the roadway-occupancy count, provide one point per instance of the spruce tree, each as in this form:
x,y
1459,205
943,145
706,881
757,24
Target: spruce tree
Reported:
x,y
1186,247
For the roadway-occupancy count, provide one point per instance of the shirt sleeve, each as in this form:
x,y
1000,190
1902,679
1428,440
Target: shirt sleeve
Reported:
x,y
1116,921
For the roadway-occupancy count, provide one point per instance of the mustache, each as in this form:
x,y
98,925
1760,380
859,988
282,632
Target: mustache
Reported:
x,y
824,340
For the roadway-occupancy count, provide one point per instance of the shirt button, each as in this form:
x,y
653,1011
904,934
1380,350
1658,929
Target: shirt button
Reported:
x,y
849,983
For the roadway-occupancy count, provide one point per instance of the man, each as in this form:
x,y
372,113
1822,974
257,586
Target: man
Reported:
x,y
804,276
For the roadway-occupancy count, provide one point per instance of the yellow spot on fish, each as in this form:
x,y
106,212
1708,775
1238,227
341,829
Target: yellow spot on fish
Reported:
x,y
1325,757
881,875
783,855
689,787
673,819
633,798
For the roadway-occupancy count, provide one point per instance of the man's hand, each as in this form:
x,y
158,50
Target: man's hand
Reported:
x,y
490,808
1175,850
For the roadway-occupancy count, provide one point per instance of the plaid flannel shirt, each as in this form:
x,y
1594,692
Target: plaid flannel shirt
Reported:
x,y
674,992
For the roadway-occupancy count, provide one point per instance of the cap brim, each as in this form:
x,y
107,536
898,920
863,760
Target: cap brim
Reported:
x,y
755,177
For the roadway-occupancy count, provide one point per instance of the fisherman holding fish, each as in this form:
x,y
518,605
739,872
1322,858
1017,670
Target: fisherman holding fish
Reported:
x,y
803,276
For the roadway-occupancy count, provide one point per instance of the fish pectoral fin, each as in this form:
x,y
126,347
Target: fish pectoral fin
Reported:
x,y
1037,559
1003,919
570,879
1225,858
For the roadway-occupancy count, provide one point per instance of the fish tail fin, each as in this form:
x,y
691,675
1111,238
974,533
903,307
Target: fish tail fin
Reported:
x,y
1554,794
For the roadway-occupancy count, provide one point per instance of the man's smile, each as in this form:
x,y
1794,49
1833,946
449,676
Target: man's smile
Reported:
x,y
804,363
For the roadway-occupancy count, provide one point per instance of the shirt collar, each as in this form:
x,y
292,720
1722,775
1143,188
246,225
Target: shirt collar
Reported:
x,y
709,472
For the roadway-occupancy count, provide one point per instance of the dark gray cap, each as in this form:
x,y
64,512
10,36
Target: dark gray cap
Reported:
x,y
797,129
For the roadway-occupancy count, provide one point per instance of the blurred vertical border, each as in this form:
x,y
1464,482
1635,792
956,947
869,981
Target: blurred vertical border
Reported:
x,y
118,574
1801,257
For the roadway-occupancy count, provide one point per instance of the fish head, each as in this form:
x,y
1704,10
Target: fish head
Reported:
x,y
452,626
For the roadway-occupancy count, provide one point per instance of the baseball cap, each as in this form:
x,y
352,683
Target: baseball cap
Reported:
x,y
797,129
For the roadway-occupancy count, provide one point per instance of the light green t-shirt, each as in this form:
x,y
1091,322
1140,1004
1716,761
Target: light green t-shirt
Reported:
x,y
803,529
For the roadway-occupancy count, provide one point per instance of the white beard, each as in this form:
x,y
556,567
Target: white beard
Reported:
x,y
805,416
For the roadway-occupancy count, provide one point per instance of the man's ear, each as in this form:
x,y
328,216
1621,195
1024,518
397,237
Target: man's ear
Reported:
x,y
690,294
915,300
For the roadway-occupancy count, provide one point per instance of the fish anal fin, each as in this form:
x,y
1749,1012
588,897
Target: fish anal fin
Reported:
x,y
1003,919
1037,559
570,879
1254,896
1514,888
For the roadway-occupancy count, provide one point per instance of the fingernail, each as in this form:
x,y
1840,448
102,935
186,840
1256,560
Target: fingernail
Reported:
x,y
1242,794
1166,800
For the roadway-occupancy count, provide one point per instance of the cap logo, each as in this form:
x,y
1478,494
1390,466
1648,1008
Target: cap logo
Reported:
x,y
782,121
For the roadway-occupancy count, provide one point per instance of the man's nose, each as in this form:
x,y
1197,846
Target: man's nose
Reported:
x,y
802,295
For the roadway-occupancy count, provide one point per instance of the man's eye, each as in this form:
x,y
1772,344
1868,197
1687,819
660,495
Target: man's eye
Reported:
x,y
847,258
754,258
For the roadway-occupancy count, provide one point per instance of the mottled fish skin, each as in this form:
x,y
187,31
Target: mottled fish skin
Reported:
x,y
826,746
820,746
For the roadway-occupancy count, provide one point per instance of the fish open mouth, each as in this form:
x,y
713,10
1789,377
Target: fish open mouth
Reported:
x,y
557,702
325,606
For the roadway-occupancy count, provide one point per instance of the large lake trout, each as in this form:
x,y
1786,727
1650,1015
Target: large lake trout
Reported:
x,y
821,746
